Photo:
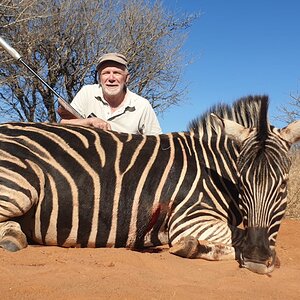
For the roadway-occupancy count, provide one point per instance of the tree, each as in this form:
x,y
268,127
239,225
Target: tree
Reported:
x,y
62,40
291,111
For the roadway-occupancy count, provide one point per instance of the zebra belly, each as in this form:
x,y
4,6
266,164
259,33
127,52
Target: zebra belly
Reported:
x,y
47,230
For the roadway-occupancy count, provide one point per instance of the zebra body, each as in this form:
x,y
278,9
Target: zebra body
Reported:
x,y
105,199
76,186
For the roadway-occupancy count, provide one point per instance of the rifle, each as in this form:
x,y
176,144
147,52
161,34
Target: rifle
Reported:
x,y
65,110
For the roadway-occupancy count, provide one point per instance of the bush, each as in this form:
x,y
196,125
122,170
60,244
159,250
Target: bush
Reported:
x,y
293,209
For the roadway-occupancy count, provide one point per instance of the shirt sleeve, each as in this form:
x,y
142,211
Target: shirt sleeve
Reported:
x,y
79,101
149,124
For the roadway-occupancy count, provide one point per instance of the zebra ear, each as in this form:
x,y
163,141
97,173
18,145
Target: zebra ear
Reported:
x,y
233,129
291,133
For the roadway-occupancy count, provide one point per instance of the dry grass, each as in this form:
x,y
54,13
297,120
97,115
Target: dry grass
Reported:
x,y
293,209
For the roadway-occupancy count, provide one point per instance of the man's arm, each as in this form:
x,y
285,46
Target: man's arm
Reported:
x,y
150,122
78,105
94,122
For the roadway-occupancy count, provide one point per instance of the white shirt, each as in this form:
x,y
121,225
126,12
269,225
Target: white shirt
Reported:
x,y
136,115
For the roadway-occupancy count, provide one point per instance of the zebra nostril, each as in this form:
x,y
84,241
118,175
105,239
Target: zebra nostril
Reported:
x,y
241,260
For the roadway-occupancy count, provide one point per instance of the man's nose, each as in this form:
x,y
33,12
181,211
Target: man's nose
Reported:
x,y
111,77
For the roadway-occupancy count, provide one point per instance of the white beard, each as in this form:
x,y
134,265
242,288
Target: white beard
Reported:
x,y
112,91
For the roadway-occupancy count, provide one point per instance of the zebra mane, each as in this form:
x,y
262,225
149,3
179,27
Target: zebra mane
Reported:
x,y
263,125
250,111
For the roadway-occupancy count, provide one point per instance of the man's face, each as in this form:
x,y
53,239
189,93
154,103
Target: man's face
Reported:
x,y
113,78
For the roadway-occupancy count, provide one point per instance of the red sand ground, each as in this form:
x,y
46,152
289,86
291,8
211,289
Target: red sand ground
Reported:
x,y
40,272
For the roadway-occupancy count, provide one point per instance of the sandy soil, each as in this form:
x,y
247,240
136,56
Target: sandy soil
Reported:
x,y
40,272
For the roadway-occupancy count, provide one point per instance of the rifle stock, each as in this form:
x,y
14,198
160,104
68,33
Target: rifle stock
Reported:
x,y
66,111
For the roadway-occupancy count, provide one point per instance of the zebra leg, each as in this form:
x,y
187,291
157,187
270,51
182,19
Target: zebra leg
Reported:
x,y
223,242
11,236
190,247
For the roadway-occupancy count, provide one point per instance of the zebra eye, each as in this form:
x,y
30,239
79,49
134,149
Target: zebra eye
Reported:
x,y
283,185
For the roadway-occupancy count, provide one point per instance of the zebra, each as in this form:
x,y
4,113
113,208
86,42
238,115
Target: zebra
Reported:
x,y
76,186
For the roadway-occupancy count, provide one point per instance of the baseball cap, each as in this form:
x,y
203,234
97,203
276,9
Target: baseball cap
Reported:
x,y
116,57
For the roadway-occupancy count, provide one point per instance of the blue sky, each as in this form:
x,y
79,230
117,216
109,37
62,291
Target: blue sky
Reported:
x,y
239,48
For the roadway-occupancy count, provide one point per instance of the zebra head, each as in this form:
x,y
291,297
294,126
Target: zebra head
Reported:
x,y
262,167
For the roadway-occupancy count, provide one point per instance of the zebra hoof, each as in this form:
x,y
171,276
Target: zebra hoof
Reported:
x,y
186,247
11,236
10,246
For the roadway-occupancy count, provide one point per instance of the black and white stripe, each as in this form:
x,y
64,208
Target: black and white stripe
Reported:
x,y
77,186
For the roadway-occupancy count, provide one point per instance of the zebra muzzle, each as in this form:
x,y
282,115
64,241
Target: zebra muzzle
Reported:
x,y
260,267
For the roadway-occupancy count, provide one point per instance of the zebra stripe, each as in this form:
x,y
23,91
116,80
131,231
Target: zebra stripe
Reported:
x,y
77,186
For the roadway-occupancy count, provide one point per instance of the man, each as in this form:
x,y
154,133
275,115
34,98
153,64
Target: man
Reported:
x,y
114,105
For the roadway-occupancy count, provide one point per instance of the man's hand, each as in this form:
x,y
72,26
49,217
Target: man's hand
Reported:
x,y
94,122
98,123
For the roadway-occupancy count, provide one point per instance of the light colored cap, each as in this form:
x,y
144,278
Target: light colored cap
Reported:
x,y
116,57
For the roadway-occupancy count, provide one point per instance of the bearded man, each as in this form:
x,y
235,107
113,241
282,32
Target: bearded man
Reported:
x,y
111,104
